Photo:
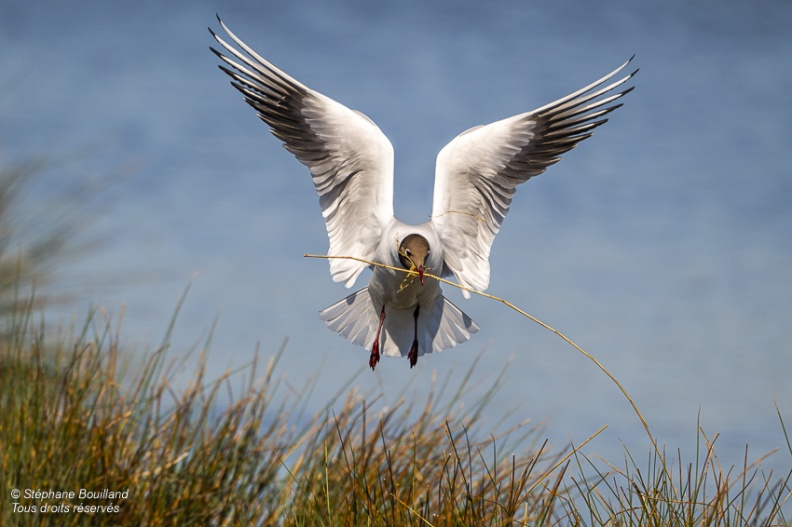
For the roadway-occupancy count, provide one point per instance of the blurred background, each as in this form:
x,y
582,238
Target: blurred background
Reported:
x,y
662,245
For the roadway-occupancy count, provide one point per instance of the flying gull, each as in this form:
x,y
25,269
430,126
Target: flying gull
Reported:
x,y
351,164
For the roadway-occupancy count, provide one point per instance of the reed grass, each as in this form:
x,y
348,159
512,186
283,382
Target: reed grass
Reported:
x,y
80,411
39,236
73,418
235,451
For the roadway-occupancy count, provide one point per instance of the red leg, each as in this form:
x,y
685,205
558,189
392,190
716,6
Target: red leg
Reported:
x,y
413,355
375,354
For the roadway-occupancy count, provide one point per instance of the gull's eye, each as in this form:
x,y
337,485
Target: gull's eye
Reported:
x,y
408,252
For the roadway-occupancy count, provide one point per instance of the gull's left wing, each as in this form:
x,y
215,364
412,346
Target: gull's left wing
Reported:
x,y
478,172
350,159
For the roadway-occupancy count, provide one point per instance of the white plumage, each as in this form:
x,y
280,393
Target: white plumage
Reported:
x,y
351,163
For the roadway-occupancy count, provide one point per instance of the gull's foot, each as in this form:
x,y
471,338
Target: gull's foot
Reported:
x,y
413,354
375,356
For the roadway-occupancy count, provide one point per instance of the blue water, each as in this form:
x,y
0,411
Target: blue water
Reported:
x,y
662,245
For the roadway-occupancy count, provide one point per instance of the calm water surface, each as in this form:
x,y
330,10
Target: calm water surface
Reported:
x,y
662,245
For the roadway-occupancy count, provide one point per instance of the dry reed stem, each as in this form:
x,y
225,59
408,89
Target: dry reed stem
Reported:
x,y
523,313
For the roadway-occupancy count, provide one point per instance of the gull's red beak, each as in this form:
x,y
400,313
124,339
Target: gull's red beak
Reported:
x,y
420,274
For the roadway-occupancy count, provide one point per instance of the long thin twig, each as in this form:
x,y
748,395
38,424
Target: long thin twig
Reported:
x,y
520,311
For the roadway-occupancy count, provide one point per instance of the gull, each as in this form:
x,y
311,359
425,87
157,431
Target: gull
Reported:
x,y
351,163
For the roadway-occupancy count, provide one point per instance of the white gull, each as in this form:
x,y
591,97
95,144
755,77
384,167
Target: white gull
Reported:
x,y
351,163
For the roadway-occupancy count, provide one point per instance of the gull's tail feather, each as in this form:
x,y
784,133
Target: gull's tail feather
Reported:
x,y
441,325
352,318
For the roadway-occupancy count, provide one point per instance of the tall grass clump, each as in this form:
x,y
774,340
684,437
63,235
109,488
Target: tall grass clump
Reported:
x,y
93,434
71,418
27,257
667,491
74,414
45,220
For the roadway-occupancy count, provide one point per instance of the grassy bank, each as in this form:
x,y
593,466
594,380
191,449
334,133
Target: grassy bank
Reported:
x,y
92,434
76,413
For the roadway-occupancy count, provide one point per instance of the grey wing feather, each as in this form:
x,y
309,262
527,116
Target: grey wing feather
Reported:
x,y
350,159
478,172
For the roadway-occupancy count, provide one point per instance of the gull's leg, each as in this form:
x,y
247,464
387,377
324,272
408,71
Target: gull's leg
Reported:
x,y
375,354
413,355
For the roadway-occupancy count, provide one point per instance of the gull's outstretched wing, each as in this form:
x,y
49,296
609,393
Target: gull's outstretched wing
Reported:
x,y
477,173
350,159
